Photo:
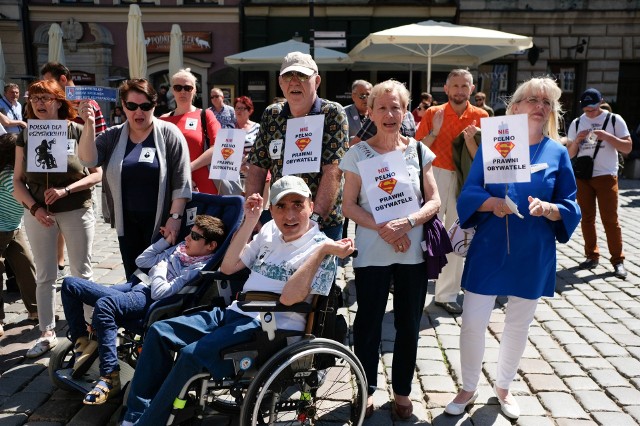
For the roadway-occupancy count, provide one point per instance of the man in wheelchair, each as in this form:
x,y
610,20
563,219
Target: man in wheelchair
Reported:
x,y
171,267
290,256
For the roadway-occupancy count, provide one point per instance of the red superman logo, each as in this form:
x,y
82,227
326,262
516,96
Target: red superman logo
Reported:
x,y
388,185
302,143
226,152
504,148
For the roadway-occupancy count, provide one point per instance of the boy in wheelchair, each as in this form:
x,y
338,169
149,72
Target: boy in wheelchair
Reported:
x,y
171,267
290,256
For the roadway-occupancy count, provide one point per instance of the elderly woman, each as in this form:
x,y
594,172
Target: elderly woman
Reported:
x,y
147,173
389,250
511,256
243,106
188,118
56,202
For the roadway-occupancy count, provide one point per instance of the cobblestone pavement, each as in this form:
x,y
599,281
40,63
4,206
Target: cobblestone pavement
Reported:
x,y
581,365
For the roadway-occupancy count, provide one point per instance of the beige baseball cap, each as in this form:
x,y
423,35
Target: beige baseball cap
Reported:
x,y
288,185
298,61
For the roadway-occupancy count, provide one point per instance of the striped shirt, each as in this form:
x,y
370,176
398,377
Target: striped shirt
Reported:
x,y
10,210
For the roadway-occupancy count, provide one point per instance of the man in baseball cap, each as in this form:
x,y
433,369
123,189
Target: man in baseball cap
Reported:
x,y
299,81
590,98
288,185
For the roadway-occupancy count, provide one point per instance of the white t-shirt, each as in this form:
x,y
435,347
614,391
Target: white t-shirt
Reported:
x,y
273,261
606,161
372,249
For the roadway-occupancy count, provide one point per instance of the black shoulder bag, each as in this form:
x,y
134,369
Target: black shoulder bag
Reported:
x,y
583,166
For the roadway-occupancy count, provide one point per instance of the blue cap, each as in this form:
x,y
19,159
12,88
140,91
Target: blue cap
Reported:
x,y
591,97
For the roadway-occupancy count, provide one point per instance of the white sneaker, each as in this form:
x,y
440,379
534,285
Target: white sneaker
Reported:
x,y
42,345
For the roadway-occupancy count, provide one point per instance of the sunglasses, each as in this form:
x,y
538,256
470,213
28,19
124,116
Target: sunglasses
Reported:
x,y
363,97
197,237
288,76
180,88
132,106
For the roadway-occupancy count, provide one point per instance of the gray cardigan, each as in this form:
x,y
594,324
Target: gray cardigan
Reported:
x,y
175,168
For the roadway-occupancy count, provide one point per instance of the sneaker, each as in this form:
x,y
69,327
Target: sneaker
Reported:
x,y
589,264
619,271
451,307
42,345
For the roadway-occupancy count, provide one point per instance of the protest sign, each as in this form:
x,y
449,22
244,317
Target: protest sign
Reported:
x,y
47,146
97,93
505,149
303,145
227,154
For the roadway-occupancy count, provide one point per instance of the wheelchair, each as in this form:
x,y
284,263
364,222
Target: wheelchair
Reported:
x,y
315,381
131,333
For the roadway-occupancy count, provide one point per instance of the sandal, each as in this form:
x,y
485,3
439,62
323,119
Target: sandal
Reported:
x,y
105,388
86,352
42,345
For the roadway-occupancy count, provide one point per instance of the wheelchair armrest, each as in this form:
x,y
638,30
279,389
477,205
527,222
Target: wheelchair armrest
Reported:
x,y
240,275
273,306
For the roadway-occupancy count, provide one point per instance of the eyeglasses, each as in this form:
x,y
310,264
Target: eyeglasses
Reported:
x,y
363,96
479,99
196,237
288,76
532,100
47,100
132,106
241,109
216,96
180,88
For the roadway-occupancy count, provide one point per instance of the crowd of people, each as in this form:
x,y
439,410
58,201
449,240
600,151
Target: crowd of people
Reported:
x,y
150,164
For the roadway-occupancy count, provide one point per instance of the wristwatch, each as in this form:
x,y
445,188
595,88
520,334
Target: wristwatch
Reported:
x,y
175,216
315,217
412,221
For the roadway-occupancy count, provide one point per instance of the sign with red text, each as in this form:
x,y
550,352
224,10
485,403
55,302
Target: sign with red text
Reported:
x,y
505,149
48,146
303,145
386,181
227,154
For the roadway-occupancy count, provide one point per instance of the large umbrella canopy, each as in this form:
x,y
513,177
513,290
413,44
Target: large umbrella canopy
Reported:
x,y
437,43
175,50
136,48
3,66
56,50
270,57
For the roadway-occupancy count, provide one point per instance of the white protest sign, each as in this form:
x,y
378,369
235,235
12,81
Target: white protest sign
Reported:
x,y
505,149
227,154
303,145
46,148
386,181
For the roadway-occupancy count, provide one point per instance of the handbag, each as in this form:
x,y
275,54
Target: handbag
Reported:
x,y
460,238
436,244
583,165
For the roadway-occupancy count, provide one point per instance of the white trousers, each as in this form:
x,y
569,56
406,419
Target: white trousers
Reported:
x,y
77,227
448,283
475,320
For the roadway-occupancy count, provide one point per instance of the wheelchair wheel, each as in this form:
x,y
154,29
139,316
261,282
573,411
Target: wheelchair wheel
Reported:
x,y
313,382
61,357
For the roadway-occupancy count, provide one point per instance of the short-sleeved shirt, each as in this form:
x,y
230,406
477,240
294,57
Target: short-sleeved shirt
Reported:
x,y
373,250
226,116
606,162
13,111
190,124
335,142
38,182
273,261
452,125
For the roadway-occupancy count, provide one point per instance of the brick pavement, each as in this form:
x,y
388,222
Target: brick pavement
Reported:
x,y
581,366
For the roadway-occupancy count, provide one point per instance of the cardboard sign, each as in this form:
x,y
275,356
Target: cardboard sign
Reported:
x,y
505,149
303,145
46,148
227,154
386,181
97,93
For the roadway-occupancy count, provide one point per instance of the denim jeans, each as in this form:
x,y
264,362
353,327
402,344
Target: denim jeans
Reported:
x,y
372,292
198,338
112,304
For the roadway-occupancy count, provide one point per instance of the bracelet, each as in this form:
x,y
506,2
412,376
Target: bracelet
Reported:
x,y
68,191
548,213
34,208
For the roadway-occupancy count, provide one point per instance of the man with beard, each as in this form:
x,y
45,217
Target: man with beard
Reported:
x,y
438,128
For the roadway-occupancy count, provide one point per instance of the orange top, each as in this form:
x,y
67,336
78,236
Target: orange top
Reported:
x,y
452,126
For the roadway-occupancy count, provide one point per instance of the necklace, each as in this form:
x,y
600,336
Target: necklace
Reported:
x,y
533,159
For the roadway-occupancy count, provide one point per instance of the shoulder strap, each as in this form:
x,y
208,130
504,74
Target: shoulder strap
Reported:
x,y
205,132
577,124
419,148
604,126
